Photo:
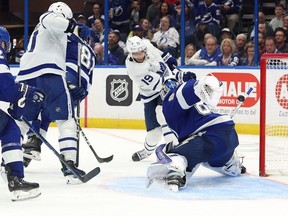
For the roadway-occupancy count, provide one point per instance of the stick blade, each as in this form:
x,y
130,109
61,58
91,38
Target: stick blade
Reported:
x,y
90,175
105,160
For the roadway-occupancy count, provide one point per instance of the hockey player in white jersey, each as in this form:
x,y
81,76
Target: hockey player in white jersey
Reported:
x,y
146,66
205,137
43,65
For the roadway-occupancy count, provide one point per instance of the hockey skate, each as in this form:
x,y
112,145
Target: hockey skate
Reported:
x,y
31,150
21,189
140,155
175,181
70,177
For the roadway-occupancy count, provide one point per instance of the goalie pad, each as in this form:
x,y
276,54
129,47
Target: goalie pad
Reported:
x,y
231,168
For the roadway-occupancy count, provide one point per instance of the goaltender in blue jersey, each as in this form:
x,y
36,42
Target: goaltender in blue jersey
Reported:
x,y
205,137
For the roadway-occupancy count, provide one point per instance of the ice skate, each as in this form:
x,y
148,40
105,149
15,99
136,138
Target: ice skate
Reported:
x,y
3,171
140,155
21,189
175,181
69,176
32,149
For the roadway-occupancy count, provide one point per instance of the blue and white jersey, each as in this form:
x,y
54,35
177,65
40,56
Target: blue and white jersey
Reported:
x,y
46,51
8,89
87,61
145,75
186,115
210,58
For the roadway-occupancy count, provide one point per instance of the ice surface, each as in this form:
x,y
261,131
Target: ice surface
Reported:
x,y
120,188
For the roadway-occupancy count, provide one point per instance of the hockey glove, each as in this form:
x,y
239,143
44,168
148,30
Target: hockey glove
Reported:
x,y
26,93
71,26
161,69
83,31
169,60
183,76
77,93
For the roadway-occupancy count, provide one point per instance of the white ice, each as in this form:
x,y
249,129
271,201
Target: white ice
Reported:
x,y
120,187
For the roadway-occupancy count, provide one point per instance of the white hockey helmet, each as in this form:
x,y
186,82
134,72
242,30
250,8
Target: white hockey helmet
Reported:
x,y
135,44
62,9
209,89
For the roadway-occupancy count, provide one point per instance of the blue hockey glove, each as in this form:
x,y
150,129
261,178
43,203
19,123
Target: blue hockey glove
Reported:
x,y
188,75
26,93
77,93
83,31
169,60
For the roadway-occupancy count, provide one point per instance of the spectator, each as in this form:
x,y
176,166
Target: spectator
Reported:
x,y
116,54
280,38
99,52
189,52
137,31
270,45
97,14
146,26
167,38
249,54
153,11
277,21
240,45
119,17
97,32
189,23
165,10
81,19
230,9
199,34
261,42
206,56
226,33
208,13
136,13
228,57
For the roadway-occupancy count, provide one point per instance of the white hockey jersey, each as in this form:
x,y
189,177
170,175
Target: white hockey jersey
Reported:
x,y
46,51
145,75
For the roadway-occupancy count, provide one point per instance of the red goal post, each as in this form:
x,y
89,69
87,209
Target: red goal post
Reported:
x,y
273,157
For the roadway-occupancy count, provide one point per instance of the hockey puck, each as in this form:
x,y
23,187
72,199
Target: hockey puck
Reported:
x,y
241,98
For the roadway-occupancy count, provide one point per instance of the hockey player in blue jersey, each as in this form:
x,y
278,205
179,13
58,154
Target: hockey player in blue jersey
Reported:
x,y
32,148
10,135
205,137
43,65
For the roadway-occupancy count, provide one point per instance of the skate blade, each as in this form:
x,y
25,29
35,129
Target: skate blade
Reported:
x,y
34,155
72,180
4,175
21,195
173,188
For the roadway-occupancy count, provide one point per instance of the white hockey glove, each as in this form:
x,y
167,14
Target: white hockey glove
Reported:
x,y
209,89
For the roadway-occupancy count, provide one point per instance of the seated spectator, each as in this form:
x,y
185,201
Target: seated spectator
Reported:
x,y
136,13
165,11
189,52
228,57
116,54
277,21
99,52
270,45
81,19
97,32
206,56
249,54
226,33
230,10
146,26
137,31
240,45
285,26
167,38
280,38
199,34
189,22
97,14
209,13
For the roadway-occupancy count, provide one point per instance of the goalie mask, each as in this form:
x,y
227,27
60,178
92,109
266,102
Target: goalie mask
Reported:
x,y
5,37
209,89
62,9
169,84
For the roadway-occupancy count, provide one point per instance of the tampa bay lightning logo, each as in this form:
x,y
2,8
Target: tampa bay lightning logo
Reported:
x,y
119,90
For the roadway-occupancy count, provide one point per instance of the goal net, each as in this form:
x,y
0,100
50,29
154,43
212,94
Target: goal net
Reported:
x,y
274,115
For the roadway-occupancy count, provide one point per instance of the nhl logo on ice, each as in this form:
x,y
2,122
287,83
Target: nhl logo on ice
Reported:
x,y
119,90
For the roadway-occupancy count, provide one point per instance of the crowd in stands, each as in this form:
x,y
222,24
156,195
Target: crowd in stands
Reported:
x,y
213,34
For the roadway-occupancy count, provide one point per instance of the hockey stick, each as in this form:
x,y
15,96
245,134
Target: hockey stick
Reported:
x,y
78,103
84,178
241,99
99,159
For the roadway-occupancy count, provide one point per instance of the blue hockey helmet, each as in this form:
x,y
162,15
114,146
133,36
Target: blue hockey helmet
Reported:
x,y
5,37
170,83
